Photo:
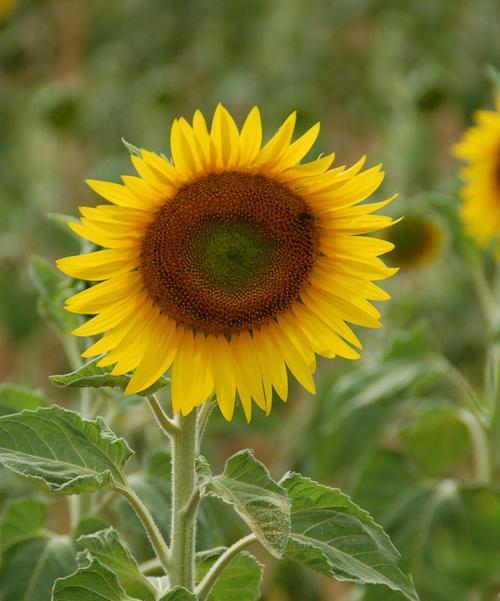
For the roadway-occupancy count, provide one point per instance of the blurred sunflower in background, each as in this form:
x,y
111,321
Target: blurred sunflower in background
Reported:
x,y
480,148
230,263
6,7
417,240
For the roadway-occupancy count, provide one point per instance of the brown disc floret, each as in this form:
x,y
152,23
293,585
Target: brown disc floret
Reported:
x,y
228,252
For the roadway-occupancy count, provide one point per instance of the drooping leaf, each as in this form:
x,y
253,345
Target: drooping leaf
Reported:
x,y
30,568
178,594
14,398
94,582
91,376
240,579
21,520
332,535
262,503
69,454
113,553
53,289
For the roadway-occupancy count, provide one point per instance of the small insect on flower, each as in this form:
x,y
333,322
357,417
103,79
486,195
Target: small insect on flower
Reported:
x,y
230,263
480,148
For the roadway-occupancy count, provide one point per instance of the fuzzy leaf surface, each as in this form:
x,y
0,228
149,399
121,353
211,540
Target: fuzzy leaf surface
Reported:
x,y
240,579
94,582
332,535
69,454
178,594
261,502
114,554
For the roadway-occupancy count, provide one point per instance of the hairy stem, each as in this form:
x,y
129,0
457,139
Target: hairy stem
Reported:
x,y
168,425
206,585
157,542
184,446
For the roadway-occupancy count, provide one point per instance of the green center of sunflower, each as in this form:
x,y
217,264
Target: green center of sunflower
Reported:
x,y
228,252
232,255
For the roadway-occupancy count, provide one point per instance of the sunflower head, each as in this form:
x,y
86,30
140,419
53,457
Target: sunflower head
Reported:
x,y
417,241
230,264
480,149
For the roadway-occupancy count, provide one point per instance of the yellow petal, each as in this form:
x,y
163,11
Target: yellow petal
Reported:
x,y
297,151
251,137
223,374
158,358
109,318
96,298
225,136
294,360
277,145
162,167
151,176
99,265
116,193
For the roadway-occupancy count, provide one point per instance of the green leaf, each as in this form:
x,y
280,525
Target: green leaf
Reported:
x,y
255,496
53,289
113,553
131,148
69,454
178,594
437,439
332,535
92,583
21,520
30,568
240,579
91,376
14,398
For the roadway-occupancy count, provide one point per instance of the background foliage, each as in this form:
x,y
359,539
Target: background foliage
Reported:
x,y
407,429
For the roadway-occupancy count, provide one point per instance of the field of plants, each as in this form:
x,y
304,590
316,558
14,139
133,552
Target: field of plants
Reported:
x,y
106,495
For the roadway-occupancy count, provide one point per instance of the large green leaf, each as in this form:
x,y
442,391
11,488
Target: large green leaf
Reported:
x,y
69,454
257,498
113,553
14,398
178,594
332,535
30,568
94,582
21,520
91,376
240,579
53,290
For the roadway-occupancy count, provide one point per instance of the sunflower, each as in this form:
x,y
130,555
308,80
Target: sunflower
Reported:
x,y
417,241
230,263
480,147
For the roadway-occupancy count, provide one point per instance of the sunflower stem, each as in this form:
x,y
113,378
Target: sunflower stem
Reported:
x,y
184,446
